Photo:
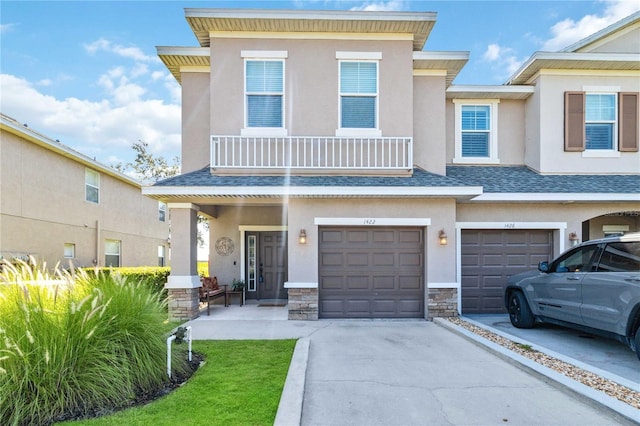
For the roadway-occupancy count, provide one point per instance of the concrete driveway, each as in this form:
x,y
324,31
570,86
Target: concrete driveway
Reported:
x,y
611,358
418,373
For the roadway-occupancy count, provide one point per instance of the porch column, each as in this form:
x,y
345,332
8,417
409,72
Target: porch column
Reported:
x,y
184,281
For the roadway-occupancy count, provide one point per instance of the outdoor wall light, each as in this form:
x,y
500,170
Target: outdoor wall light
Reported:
x,y
442,238
302,238
573,237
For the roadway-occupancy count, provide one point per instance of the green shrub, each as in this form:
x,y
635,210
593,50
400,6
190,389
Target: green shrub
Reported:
x,y
76,345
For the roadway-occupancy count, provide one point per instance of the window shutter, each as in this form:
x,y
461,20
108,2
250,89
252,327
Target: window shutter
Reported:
x,y
574,121
628,122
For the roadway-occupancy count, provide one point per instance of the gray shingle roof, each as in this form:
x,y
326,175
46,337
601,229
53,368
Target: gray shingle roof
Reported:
x,y
520,179
203,177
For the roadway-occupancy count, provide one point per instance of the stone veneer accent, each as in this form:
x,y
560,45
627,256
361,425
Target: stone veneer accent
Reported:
x,y
183,304
443,302
303,304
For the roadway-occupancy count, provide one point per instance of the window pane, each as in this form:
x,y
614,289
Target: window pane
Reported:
x,y
112,246
359,112
600,107
358,77
92,178
92,194
112,260
475,144
475,117
620,257
264,76
69,250
264,111
599,136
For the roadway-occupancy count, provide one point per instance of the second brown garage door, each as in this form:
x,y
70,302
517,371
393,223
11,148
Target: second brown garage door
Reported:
x,y
371,272
490,257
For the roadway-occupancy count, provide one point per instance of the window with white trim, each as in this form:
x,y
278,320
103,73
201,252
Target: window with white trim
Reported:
x,y
601,121
112,253
476,134
264,93
358,94
162,211
69,250
161,256
92,186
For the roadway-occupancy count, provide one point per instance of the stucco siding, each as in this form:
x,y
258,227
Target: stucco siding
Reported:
x,y
43,207
553,158
624,43
431,124
311,89
196,110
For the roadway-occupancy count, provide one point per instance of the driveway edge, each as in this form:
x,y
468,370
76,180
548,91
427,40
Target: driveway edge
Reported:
x,y
290,407
526,364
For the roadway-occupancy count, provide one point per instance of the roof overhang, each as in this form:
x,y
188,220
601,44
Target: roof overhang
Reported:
x,y
574,61
203,22
450,63
10,125
164,193
489,92
181,58
521,197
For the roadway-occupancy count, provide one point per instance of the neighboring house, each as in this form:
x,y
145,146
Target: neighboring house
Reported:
x,y
340,167
61,206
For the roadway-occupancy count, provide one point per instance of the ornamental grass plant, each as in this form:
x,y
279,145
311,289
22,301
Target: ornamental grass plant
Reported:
x,y
75,345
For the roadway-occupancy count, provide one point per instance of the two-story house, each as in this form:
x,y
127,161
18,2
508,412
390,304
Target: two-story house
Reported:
x,y
341,168
61,206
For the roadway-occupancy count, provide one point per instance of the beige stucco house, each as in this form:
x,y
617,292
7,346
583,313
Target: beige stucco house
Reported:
x,y
340,166
61,206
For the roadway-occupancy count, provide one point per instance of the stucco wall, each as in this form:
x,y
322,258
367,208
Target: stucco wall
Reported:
x,y
303,259
553,158
625,43
429,151
511,131
196,107
227,224
43,206
311,84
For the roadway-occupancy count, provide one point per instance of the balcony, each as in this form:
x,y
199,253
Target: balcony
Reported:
x,y
311,155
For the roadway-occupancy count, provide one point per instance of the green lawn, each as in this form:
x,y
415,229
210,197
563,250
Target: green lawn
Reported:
x,y
240,384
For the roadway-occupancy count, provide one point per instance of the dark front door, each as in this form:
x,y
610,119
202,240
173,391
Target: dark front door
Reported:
x,y
272,265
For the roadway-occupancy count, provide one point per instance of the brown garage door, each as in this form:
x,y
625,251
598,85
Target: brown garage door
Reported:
x,y
490,256
368,272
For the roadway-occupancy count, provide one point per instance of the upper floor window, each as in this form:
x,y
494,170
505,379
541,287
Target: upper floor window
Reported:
x,y
264,92
476,137
162,211
601,122
358,94
92,186
112,253
161,256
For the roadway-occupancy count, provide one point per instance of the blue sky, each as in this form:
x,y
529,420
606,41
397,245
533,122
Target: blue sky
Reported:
x,y
87,73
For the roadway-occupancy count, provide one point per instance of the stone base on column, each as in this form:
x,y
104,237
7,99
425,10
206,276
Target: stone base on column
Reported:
x,y
303,304
443,302
183,304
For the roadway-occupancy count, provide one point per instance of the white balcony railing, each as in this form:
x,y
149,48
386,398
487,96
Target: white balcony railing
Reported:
x,y
312,153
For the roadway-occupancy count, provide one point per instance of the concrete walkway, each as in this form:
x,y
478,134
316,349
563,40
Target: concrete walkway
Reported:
x,y
375,372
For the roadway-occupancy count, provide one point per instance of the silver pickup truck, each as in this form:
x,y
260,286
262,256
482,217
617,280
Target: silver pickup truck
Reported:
x,y
594,286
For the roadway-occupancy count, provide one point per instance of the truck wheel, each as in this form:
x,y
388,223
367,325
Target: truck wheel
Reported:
x,y
519,312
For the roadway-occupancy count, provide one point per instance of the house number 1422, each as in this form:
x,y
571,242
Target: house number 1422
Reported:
x,y
369,221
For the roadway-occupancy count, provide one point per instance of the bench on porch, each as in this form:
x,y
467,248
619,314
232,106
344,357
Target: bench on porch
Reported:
x,y
210,290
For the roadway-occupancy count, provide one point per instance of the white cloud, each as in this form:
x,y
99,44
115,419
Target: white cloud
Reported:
x,y
503,59
5,28
568,31
131,52
104,129
382,6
